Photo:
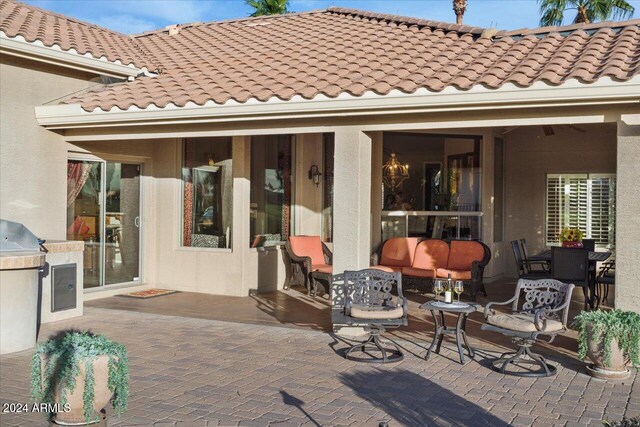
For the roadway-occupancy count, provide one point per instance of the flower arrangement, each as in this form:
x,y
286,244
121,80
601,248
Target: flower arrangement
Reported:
x,y
62,356
570,235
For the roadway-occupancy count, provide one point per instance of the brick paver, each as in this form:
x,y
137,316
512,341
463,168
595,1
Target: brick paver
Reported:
x,y
201,372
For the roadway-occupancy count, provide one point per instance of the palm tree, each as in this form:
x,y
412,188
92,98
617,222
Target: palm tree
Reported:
x,y
459,7
552,11
268,7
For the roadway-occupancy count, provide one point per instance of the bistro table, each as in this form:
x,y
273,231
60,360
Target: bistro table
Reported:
x,y
463,309
594,258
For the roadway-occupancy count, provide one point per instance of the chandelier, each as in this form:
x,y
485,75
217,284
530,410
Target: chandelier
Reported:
x,y
394,173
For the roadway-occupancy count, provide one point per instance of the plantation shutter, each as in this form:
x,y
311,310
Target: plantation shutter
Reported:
x,y
602,209
585,202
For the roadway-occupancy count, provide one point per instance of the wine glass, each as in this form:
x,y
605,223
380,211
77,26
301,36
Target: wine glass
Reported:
x,y
438,288
458,288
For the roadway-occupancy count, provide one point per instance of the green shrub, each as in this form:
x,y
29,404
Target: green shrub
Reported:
x,y
626,422
63,355
607,325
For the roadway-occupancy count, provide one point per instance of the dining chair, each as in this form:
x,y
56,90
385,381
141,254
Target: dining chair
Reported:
x,y
589,244
529,264
606,278
571,265
521,266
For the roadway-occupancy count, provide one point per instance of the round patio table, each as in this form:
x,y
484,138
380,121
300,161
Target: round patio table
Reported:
x,y
463,309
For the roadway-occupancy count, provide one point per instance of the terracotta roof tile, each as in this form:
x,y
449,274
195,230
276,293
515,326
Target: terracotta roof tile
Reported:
x,y
51,29
339,50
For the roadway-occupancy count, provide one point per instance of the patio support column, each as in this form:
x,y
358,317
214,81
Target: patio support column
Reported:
x,y
241,153
627,291
352,200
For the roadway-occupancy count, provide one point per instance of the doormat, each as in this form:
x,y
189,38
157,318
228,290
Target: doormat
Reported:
x,y
149,293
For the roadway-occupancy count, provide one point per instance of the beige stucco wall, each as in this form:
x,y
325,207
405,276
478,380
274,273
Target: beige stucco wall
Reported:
x,y
628,218
529,156
33,160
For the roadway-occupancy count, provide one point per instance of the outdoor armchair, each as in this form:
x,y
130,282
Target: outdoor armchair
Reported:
x,y
310,260
523,266
544,311
366,300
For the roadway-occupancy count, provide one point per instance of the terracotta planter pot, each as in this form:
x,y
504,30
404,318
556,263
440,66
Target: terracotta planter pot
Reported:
x,y
572,245
617,369
102,394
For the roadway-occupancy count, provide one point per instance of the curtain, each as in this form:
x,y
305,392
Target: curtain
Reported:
x,y
77,175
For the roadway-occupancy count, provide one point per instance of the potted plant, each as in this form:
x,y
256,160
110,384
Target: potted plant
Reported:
x,y
571,238
76,374
611,339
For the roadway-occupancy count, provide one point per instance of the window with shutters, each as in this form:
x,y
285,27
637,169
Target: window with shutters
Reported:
x,y
583,201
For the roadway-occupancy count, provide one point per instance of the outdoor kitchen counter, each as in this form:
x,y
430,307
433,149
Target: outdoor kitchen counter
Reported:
x,y
21,260
19,275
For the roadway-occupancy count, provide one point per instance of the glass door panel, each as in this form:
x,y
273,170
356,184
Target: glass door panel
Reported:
x,y
84,215
122,223
103,210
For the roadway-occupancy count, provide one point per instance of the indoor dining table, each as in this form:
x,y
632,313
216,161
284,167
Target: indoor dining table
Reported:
x,y
594,258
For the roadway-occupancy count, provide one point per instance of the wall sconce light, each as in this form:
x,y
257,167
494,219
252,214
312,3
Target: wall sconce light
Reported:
x,y
314,175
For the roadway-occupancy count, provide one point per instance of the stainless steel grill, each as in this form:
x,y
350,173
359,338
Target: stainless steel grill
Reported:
x,y
15,237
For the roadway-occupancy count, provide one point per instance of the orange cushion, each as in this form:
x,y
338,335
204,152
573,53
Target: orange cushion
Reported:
x,y
388,269
322,268
431,254
399,251
463,254
310,246
455,274
418,272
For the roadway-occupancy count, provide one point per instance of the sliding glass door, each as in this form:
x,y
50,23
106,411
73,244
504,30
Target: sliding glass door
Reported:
x,y
103,210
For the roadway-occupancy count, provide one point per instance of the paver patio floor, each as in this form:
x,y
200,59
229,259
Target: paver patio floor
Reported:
x,y
195,371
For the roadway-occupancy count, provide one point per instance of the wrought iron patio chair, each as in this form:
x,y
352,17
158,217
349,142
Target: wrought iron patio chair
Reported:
x,y
521,266
571,265
366,300
544,311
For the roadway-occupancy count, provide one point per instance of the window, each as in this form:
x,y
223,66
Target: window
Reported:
x,y
583,201
207,193
270,190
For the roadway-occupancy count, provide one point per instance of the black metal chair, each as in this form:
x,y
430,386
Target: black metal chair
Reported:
x,y
529,264
606,277
544,311
521,266
367,302
571,265
589,244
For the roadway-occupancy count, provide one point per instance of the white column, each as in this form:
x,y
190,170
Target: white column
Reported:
x,y
627,287
352,200
241,154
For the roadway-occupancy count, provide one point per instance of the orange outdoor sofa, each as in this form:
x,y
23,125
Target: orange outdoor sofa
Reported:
x,y
426,260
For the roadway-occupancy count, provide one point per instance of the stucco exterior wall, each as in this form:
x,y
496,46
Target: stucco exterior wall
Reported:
x,y
529,156
628,219
33,160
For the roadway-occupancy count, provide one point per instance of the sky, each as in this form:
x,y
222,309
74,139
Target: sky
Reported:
x,y
137,16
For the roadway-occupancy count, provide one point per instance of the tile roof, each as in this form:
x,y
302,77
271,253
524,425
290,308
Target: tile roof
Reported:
x,y
336,51
52,29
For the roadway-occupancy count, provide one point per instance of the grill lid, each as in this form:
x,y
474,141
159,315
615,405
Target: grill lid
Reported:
x,y
16,237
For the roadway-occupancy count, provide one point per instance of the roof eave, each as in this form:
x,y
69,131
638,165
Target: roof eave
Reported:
x,y
38,52
571,93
